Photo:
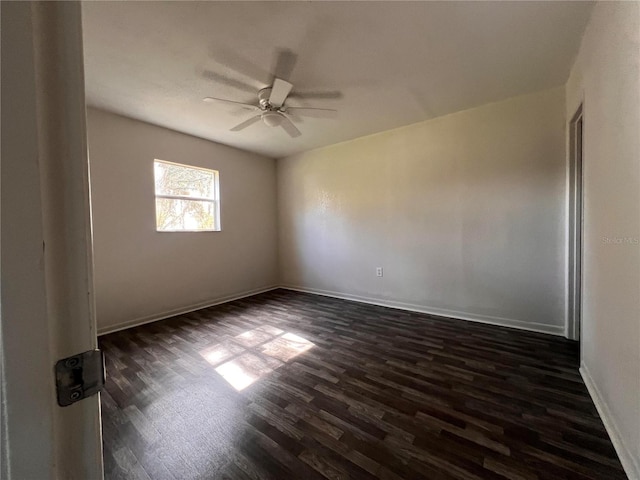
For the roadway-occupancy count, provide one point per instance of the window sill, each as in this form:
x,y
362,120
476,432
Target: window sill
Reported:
x,y
188,231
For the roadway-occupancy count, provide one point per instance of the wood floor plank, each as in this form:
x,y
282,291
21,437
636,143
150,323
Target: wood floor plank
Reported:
x,y
287,385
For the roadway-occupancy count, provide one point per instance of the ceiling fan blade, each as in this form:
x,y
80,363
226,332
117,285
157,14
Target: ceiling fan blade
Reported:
x,y
239,104
295,118
285,61
289,127
245,124
232,82
328,95
245,67
313,112
279,92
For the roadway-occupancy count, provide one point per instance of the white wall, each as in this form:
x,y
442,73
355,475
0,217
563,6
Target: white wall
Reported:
x,y
465,213
141,274
607,76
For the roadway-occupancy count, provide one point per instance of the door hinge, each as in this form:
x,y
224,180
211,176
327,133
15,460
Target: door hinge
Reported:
x,y
79,376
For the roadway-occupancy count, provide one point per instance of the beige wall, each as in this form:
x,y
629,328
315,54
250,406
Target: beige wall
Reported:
x,y
465,213
141,274
607,76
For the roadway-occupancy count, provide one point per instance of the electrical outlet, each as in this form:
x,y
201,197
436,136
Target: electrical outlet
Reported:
x,y
378,271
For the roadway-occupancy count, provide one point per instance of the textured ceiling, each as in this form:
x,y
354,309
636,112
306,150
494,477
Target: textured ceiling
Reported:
x,y
392,63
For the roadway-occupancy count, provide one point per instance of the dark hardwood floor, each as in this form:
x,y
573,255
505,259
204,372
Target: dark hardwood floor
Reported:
x,y
287,385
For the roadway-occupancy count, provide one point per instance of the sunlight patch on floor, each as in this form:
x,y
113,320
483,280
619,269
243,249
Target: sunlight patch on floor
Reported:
x,y
249,356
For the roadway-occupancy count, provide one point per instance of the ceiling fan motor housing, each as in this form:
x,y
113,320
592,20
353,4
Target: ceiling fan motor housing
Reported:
x,y
263,98
271,104
270,115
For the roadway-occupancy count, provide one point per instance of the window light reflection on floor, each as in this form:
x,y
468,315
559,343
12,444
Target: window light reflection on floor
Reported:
x,y
245,358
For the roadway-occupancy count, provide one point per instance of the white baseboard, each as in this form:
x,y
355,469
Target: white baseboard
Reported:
x,y
629,463
500,321
180,311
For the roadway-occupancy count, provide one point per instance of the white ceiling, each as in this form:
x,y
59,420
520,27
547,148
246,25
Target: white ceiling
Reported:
x,y
394,63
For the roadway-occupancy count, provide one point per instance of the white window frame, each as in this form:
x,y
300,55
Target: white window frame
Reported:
x,y
215,199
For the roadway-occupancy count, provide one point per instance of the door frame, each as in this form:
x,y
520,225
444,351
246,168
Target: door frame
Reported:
x,y
46,282
576,224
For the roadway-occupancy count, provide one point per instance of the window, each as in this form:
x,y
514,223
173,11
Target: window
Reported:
x,y
187,198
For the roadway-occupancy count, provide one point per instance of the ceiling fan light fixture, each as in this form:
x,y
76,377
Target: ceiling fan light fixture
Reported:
x,y
272,119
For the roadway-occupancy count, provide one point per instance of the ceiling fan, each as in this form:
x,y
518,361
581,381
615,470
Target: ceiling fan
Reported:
x,y
272,108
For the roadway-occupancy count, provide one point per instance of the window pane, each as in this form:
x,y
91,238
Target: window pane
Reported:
x,y
174,179
174,214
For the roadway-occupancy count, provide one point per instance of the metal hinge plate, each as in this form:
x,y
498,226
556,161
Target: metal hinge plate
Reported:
x,y
79,376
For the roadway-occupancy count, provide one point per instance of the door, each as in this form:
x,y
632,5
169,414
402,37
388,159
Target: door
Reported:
x,y
46,287
575,224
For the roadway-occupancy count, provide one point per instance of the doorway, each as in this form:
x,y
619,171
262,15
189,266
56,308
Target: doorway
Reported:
x,y
576,139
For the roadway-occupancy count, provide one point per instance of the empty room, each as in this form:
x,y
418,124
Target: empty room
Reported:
x,y
320,240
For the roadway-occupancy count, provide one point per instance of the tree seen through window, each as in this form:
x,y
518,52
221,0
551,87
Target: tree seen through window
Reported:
x,y
186,197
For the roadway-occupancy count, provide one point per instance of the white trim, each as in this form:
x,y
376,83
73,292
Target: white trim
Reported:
x,y
180,311
500,321
5,472
186,197
630,465
490,320
574,282
569,113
